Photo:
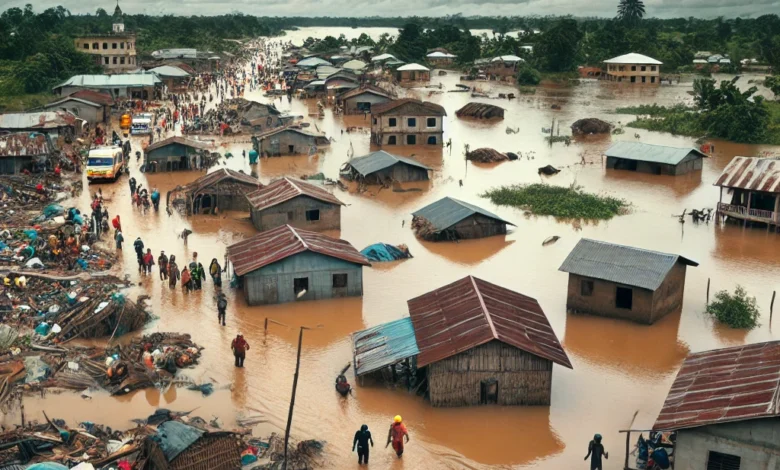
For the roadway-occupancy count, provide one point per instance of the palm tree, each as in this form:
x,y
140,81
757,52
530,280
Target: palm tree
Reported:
x,y
631,11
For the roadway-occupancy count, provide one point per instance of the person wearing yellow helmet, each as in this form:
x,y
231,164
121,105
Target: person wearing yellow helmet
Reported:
x,y
396,435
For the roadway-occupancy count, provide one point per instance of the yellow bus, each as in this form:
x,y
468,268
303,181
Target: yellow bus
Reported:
x,y
105,163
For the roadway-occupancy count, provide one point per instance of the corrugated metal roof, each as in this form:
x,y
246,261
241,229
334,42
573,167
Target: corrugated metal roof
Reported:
x,y
354,65
472,312
177,53
633,58
448,211
621,264
724,385
112,81
55,104
222,174
379,160
282,242
94,97
169,71
284,189
413,68
366,89
196,144
755,174
411,107
23,144
383,345
507,58
313,62
440,55
382,57
650,153
41,120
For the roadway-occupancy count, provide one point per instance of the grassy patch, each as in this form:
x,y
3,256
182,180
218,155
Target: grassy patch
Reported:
x,y
560,78
652,110
565,202
17,103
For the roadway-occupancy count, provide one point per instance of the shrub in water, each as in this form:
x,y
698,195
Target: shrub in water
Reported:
x,y
735,310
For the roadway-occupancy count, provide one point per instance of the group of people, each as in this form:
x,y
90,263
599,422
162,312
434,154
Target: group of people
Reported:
x,y
397,436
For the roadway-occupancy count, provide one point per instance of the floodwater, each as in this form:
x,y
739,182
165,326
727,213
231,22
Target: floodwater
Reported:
x,y
619,368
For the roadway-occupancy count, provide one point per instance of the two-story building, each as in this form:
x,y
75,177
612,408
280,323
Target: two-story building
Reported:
x,y
114,51
634,68
407,122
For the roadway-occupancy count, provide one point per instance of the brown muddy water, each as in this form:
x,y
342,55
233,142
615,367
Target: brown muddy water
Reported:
x,y
619,368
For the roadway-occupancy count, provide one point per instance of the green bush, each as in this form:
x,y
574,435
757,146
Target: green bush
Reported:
x,y
737,310
566,202
528,75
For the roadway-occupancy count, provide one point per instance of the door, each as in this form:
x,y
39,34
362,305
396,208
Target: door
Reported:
x,y
488,394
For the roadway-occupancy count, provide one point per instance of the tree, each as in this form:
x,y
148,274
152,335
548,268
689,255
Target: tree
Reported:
x,y
410,45
528,75
631,11
737,310
558,47
730,113
773,83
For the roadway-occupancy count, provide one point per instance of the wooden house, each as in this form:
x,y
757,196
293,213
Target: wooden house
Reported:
x,y
289,141
360,100
294,202
754,184
653,159
624,282
407,122
451,219
440,58
219,191
384,168
287,264
174,154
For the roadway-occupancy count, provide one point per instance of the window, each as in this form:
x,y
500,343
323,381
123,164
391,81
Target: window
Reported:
x,y
364,107
339,280
411,140
86,46
644,79
624,298
374,121
113,45
633,68
290,215
121,60
718,461
432,140
121,45
300,286
644,68
652,68
652,79
95,45
114,61
105,45
392,122
431,122
586,288
105,60
633,79
391,140
313,215
411,122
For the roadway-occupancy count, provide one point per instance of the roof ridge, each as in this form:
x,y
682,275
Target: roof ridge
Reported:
x,y
294,185
298,236
484,307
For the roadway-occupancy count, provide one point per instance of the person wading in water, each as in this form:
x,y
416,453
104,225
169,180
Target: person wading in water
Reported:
x,y
595,452
396,436
362,438
239,347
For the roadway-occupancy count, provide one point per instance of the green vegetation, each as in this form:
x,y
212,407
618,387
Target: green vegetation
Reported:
x,y
528,75
653,110
17,103
631,12
773,83
737,310
565,202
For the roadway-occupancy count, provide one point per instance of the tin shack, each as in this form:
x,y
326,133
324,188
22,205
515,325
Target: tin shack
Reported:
x,y
294,202
754,187
725,408
360,100
287,264
21,151
624,282
452,219
653,159
288,141
219,191
174,154
91,106
381,167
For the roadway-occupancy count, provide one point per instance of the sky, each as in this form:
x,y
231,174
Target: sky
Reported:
x,y
603,8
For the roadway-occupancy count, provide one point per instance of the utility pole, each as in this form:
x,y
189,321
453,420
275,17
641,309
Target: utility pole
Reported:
x,y
292,399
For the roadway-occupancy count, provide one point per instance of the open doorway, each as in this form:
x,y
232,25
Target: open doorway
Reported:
x,y
488,392
624,298
300,286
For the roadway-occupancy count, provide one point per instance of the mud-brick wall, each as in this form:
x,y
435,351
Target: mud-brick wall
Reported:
x,y
523,378
602,300
293,213
669,297
479,226
755,442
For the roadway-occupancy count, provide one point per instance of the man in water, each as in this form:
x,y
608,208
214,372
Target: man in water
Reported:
x,y
595,452
362,438
239,347
396,436
221,308
162,263
215,270
139,252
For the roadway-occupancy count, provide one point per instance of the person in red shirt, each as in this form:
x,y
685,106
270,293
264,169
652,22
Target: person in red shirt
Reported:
x,y
148,261
57,171
396,436
239,347
117,223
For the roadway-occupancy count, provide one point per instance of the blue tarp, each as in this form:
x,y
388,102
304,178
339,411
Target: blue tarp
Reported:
x,y
176,437
383,252
47,466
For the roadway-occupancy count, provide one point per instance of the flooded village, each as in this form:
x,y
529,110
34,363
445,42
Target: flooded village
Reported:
x,y
321,223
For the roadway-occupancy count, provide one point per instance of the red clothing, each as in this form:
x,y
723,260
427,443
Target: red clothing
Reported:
x,y
117,225
148,259
239,345
398,431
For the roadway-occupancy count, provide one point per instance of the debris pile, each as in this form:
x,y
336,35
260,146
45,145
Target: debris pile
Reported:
x,y
423,228
486,155
481,111
380,252
590,126
304,455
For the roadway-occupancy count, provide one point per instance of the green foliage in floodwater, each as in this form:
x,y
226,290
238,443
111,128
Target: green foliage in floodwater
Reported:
x,y
566,202
528,75
653,110
735,310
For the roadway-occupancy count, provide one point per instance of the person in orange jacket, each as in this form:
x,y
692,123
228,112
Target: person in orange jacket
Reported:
x,y
396,436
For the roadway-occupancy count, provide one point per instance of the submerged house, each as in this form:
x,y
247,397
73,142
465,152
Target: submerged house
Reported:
x,y
218,191
440,58
383,168
21,151
478,344
261,117
186,447
174,154
294,202
412,73
289,141
360,100
287,264
725,409
451,219
653,159
624,282
407,122
754,185
634,68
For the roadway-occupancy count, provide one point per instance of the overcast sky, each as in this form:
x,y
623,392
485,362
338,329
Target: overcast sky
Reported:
x,y
604,8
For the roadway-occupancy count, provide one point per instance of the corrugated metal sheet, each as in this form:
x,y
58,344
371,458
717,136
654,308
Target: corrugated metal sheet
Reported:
x,y
313,62
409,107
180,53
379,160
169,71
622,264
723,385
222,174
119,80
472,312
754,174
448,211
42,120
284,189
94,97
633,58
650,153
176,437
285,241
383,345
196,144
366,89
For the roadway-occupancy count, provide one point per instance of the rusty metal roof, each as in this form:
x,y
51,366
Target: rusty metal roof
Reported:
x,y
448,211
284,189
471,312
408,107
383,345
724,385
751,173
285,241
222,174
37,120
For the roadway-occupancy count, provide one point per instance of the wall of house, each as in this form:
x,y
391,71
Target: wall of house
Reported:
x,y
275,283
350,104
158,160
479,226
400,172
624,73
279,144
523,378
756,442
687,165
91,114
669,296
602,300
15,165
226,196
293,213
119,47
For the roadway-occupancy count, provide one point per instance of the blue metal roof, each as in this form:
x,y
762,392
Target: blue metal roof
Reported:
x,y
379,160
621,264
176,437
650,153
383,345
448,211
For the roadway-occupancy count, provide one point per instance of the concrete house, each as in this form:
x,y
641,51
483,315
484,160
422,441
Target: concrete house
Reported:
x,y
384,168
360,100
219,191
624,282
288,141
294,202
725,408
126,85
452,219
634,68
91,106
407,122
653,159
440,58
754,184
174,154
287,264
115,50
412,73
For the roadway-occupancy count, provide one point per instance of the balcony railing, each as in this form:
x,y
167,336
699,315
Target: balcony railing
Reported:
x,y
743,212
